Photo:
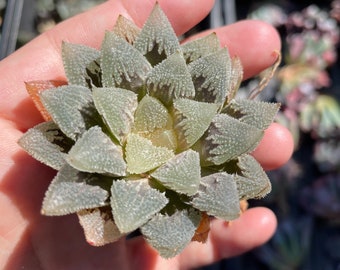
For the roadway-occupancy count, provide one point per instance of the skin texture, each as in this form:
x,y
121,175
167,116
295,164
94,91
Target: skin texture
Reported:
x,y
32,241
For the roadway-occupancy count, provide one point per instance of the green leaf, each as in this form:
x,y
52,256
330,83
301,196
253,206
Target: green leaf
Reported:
x,y
117,106
153,121
218,196
45,142
95,152
182,173
75,59
169,235
191,119
71,108
157,40
99,227
150,115
227,138
126,29
252,182
162,137
200,47
212,76
256,113
142,156
134,202
69,193
122,65
170,80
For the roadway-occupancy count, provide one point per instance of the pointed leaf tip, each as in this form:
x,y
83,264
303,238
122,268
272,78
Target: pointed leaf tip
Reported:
x,y
227,138
117,106
69,193
150,115
252,182
211,75
191,119
169,235
126,29
34,88
99,227
170,80
95,152
256,113
134,202
76,58
200,47
157,39
71,108
218,196
42,143
181,173
142,156
130,66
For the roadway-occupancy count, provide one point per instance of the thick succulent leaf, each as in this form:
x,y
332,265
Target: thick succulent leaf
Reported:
x,y
122,65
218,196
182,173
170,80
200,47
46,143
117,106
212,76
151,114
169,235
95,152
252,182
256,113
34,88
157,40
134,202
69,193
99,227
162,137
227,138
126,29
71,107
142,156
191,119
76,58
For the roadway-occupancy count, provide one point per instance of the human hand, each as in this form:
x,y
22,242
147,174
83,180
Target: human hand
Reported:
x,y
33,241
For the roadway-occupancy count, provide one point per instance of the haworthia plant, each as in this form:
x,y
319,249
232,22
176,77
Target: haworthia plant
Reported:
x,y
147,135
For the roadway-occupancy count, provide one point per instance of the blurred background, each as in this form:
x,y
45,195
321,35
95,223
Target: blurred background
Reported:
x,y
306,191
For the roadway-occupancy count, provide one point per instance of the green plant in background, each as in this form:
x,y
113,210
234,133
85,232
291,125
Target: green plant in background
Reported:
x,y
147,135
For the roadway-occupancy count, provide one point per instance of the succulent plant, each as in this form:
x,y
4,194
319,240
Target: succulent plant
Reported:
x,y
147,135
321,117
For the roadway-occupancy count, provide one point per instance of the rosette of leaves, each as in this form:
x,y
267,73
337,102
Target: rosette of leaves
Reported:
x,y
147,135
